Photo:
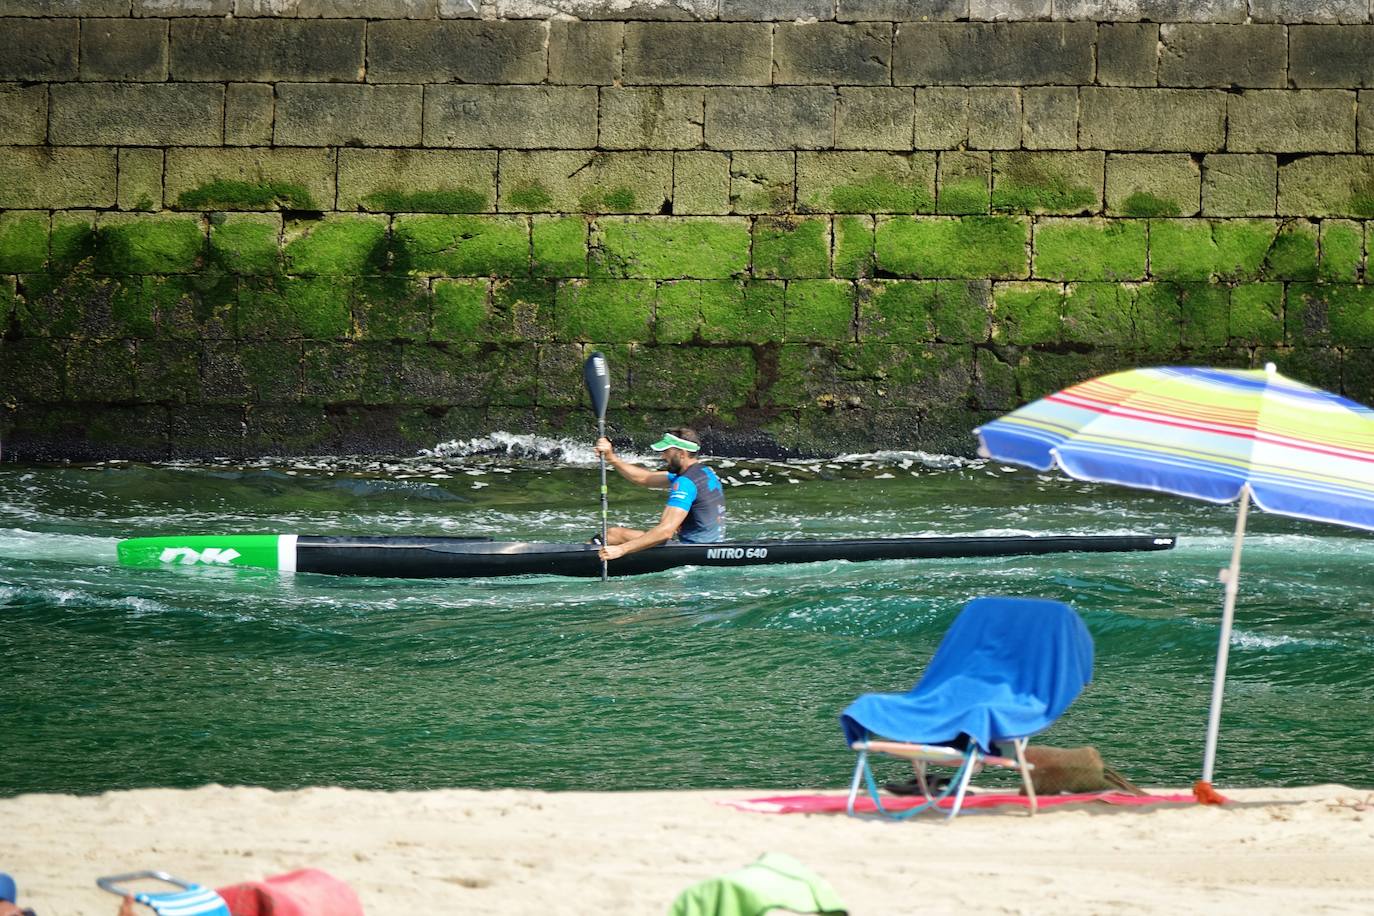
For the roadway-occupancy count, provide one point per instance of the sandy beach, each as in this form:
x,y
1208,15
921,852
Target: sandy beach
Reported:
x,y
516,852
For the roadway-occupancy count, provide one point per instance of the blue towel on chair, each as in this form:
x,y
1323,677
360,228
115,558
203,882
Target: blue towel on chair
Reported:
x,y
1007,668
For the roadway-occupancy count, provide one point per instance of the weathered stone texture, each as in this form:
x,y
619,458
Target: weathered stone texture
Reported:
x,y
39,49
1153,184
941,118
901,10
980,54
1049,117
585,53
1337,57
1299,11
137,114
832,54
1010,10
123,49
250,179
783,10
781,118
333,9
1155,120
701,183
652,118
709,54
763,182
1291,121
166,8
873,118
23,114
321,114
1033,182
1223,55
866,182
266,50
248,113
994,117
1239,185
1154,10
140,179
1128,54
515,117
1327,186
1364,129
58,177
457,51
417,181
586,182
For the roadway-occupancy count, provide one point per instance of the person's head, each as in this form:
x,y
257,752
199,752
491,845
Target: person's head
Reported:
x,y
679,446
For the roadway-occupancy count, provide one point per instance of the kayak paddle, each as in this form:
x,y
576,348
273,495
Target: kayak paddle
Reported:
x,y
597,375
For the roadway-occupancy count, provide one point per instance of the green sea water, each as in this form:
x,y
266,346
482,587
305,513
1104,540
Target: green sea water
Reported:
x,y
119,678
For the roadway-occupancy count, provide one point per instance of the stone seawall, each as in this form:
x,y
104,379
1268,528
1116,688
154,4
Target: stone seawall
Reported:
x,y
237,227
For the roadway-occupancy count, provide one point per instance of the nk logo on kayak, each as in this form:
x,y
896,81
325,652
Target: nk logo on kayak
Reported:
x,y
736,553
187,556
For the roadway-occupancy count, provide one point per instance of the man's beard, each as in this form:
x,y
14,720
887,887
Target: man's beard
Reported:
x,y
675,465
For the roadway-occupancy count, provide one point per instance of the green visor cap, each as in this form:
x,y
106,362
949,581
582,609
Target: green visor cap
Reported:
x,y
670,441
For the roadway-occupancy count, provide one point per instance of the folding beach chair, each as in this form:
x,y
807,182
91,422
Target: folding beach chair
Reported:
x,y
1006,669
189,898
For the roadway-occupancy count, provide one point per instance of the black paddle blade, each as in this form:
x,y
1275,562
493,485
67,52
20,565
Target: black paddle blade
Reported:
x,y
597,374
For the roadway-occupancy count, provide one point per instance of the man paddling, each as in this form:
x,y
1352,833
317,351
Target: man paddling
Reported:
x,y
695,513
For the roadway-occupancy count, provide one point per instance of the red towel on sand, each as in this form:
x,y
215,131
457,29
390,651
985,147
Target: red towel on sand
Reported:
x,y
825,804
308,892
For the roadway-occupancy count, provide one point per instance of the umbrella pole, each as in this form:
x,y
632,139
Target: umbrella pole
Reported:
x,y
1231,576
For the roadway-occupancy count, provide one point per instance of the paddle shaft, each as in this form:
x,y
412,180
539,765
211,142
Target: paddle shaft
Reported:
x,y
596,373
1228,613
605,508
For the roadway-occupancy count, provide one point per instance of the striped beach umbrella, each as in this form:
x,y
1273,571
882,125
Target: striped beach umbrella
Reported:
x,y
1219,435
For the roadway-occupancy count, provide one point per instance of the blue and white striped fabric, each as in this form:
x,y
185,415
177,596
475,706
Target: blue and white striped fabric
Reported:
x,y
195,900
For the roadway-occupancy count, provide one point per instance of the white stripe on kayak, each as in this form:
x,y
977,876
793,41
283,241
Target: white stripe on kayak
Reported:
x,y
286,553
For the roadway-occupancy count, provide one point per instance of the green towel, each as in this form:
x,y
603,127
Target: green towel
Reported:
x,y
775,881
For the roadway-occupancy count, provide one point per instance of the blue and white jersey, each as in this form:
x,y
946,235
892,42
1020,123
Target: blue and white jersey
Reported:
x,y
697,491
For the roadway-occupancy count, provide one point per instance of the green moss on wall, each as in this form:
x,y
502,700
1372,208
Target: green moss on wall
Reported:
x,y
1293,254
23,241
560,247
73,240
1090,249
1143,203
702,248
1203,308
451,200
461,310
1201,250
604,311
613,200
1027,313
719,311
1342,251
294,307
464,246
1099,314
243,195
531,197
853,247
149,245
819,310
391,308
965,196
963,311
880,194
786,249
1346,311
523,310
246,243
970,247
343,245
1042,183
897,311
198,306
1256,314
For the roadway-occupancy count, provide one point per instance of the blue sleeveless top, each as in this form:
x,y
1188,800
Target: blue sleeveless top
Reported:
x,y
698,491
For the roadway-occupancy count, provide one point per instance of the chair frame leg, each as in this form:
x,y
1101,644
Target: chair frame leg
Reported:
x,y
1020,745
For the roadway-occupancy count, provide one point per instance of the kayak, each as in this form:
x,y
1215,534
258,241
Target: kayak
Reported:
x,y
460,557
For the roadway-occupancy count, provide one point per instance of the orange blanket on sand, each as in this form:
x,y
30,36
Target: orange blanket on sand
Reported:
x,y
826,804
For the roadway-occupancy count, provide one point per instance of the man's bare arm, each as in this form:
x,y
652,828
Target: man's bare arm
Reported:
x,y
667,526
632,472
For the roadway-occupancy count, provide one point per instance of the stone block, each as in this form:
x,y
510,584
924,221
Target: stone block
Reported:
x,y
246,243
463,313
464,246
1010,10
1327,186
670,248
100,371
789,248
1025,314
852,182
1153,120
1364,128
57,177
392,308
198,306
1099,315
33,371
832,54
1154,10
1089,249
1204,310
479,375
901,10
510,117
1334,57
1239,185
701,183
137,114
332,114
1297,11
354,373
149,243
719,311
967,247
897,311
941,117
819,311
167,372
124,50
1049,117
763,182
782,10
575,181
965,183
1293,255
1153,184
1342,251
652,118
852,256
284,308
250,179
993,54
1209,250
417,180
23,114
403,51
334,9
585,53
636,10
172,8
873,119
698,54
1337,314
558,245
1291,121
525,307
786,117
604,311
65,8
1025,182
267,50
23,244
339,245
1128,54
1198,55
714,382
248,112
72,239
994,117
140,179
38,50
